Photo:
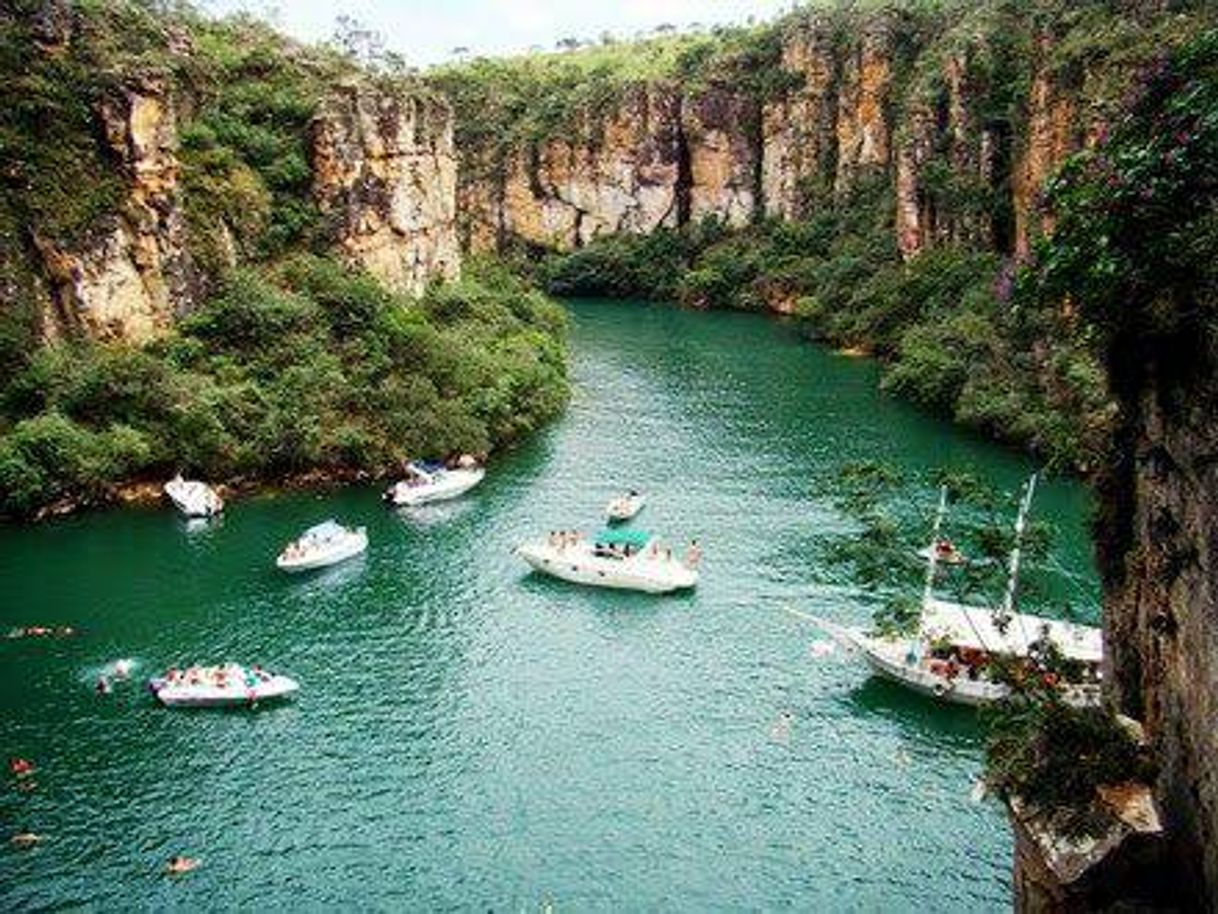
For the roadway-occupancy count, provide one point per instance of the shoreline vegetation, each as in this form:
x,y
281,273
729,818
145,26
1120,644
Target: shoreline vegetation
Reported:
x,y
952,329
305,371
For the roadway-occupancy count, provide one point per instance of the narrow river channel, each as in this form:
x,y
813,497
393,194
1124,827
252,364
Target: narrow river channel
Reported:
x,y
470,736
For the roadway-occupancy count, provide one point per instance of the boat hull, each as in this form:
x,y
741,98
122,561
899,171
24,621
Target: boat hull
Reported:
x,y
579,566
210,696
890,659
453,484
355,545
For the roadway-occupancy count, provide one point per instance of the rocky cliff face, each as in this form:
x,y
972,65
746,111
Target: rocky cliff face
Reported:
x,y
918,105
1160,617
666,155
158,221
619,172
799,128
133,275
385,178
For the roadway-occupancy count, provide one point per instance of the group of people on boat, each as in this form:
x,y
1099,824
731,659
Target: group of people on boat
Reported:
x,y
950,661
220,677
305,546
412,476
562,539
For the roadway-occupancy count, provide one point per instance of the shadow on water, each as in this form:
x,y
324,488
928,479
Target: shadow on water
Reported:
x,y
920,717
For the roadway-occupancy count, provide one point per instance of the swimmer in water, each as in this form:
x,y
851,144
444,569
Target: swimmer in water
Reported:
x,y
25,839
21,767
122,669
781,731
103,686
179,864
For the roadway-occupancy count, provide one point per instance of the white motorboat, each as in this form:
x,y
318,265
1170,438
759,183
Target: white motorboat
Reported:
x,y
625,507
954,653
194,498
220,686
326,544
621,559
432,482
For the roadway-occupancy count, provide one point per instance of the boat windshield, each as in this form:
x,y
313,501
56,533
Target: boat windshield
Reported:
x,y
426,471
326,530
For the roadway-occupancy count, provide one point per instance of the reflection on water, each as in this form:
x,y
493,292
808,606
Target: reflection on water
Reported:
x,y
470,735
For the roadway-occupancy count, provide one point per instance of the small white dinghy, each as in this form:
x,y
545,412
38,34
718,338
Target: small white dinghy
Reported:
x,y
326,544
624,507
620,559
194,498
229,685
427,482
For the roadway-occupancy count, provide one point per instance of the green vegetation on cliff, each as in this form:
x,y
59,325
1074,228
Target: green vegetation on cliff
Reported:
x,y
308,366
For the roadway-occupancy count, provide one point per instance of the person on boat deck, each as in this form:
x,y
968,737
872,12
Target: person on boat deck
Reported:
x,y
694,555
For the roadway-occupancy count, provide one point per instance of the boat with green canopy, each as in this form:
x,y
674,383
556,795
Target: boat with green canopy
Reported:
x,y
624,559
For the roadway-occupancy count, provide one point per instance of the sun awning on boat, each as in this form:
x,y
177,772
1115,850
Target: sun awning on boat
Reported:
x,y
971,626
636,538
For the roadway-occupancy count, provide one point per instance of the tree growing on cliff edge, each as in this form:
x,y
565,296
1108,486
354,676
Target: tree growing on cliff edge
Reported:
x,y
1135,248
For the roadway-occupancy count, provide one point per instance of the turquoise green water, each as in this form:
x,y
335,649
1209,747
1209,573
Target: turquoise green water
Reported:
x,y
470,736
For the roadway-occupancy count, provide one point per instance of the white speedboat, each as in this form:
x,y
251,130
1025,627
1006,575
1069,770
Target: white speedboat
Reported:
x,y
194,498
220,686
956,651
432,482
326,544
625,507
621,559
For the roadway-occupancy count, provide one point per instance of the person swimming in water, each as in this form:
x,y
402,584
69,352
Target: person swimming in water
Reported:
x,y
103,686
693,555
179,864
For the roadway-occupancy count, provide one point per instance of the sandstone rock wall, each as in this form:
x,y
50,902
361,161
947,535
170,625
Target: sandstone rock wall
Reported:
x,y
1052,135
133,275
945,124
668,155
385,178
864,118
799,129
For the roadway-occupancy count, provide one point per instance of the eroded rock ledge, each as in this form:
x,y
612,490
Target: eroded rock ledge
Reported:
x,y
385,177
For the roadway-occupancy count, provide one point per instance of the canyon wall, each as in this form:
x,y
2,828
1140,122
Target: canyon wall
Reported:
x,y
372,177
880,98
385,179
129,279
1160,553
